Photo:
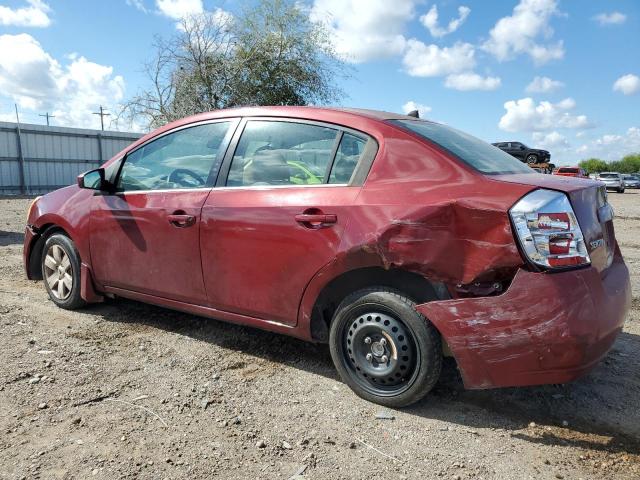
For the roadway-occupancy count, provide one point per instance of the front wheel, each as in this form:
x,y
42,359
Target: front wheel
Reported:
x,y
532,159
61,272
621,190
384,349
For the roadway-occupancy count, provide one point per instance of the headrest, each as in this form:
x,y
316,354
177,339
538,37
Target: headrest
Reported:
x,y
267,167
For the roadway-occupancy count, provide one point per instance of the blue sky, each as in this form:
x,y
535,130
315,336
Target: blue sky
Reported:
x,y
468,63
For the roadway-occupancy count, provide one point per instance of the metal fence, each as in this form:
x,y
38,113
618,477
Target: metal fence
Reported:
x,y
36,159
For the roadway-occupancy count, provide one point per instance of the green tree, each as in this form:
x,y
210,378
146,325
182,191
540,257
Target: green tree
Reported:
x,y
594,165
269,54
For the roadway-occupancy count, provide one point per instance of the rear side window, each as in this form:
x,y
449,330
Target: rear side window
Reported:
x,y
348,155
480,155
281,153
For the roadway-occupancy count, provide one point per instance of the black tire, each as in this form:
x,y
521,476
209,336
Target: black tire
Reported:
x,y
68,298
376,318
621,190
532,159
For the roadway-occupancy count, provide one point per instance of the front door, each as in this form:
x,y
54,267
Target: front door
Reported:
x,y
145,237
278,217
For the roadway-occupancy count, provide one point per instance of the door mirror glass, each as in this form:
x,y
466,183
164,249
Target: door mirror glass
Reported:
x,y
92,180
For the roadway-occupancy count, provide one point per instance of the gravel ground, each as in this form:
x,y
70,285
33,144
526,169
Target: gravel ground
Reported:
x,y
126,390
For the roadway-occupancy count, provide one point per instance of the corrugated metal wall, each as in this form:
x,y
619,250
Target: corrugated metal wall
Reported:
x,y
52,156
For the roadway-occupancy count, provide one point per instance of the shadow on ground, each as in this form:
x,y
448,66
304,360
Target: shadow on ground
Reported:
x,y
594,421
10,238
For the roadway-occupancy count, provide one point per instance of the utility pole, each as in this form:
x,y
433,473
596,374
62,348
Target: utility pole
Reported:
x,y
102,114
47,116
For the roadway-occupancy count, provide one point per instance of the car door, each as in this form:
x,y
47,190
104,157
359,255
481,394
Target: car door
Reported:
x,y
145,237
266,228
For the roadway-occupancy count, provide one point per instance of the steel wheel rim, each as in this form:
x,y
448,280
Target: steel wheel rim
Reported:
x,y
367,339
58,272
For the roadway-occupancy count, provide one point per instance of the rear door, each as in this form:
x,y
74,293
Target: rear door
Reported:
x,y
278,213
145,237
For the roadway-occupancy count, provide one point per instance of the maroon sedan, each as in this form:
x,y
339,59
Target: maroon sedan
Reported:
x,y
396,240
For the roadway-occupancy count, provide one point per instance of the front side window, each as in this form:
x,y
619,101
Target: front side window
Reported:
x,y
480,155
282,153
178,160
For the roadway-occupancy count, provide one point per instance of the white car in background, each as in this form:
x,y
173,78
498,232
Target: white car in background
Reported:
x,y
612,180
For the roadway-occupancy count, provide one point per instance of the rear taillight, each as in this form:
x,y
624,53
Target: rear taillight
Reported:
x,y
548,230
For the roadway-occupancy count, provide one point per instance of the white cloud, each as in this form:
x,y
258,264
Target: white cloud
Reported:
x,y
543,85
364,30
430,20
627,84
613,18
139,4
422,60
550,141
34,15
423,110
612,146
519,33
472,81
36,81
178,9
524,115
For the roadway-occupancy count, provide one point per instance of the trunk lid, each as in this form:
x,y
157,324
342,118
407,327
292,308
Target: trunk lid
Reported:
x,y
589,201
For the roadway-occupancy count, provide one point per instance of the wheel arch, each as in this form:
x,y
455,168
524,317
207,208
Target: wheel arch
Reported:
x,y
37,248
417,287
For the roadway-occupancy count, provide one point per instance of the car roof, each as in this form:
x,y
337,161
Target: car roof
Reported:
x,y
298,111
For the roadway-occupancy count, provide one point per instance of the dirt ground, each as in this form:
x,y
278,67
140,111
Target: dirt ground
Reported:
x,y
125,390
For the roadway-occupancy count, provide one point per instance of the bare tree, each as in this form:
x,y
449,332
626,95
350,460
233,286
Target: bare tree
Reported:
x,y
271,54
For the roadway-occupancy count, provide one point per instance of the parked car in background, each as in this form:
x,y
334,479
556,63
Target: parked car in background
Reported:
x,y
576,172
631,181
612,180
395,240
524,153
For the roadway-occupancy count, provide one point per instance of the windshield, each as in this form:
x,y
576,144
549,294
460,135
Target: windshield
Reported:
x,y
480,155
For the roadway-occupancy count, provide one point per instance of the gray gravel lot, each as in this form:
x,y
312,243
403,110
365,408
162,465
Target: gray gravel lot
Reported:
x,y
126,390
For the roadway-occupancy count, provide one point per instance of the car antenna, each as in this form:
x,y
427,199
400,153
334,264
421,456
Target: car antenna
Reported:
x,y
414,113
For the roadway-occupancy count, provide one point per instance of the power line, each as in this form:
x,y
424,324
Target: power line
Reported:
x,y
47,116
102,114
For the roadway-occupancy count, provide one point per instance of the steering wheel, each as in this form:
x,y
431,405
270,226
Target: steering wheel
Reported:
x,y
176,177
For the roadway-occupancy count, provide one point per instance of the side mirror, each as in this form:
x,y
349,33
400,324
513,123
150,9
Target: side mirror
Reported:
x,y
93,180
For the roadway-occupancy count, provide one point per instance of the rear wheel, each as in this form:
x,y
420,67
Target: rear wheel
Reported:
x,y
385,350
61,271
621,190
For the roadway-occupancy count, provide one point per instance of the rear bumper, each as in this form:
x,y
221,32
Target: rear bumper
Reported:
x,y
546,328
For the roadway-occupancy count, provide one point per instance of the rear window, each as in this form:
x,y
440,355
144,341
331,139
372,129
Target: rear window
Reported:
x,y
480,155
609,175
568,170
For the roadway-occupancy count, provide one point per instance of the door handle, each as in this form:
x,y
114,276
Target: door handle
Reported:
x,y
316,220
181,220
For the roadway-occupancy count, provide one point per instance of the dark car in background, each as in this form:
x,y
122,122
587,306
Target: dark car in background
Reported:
x,y
524,153
631,181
